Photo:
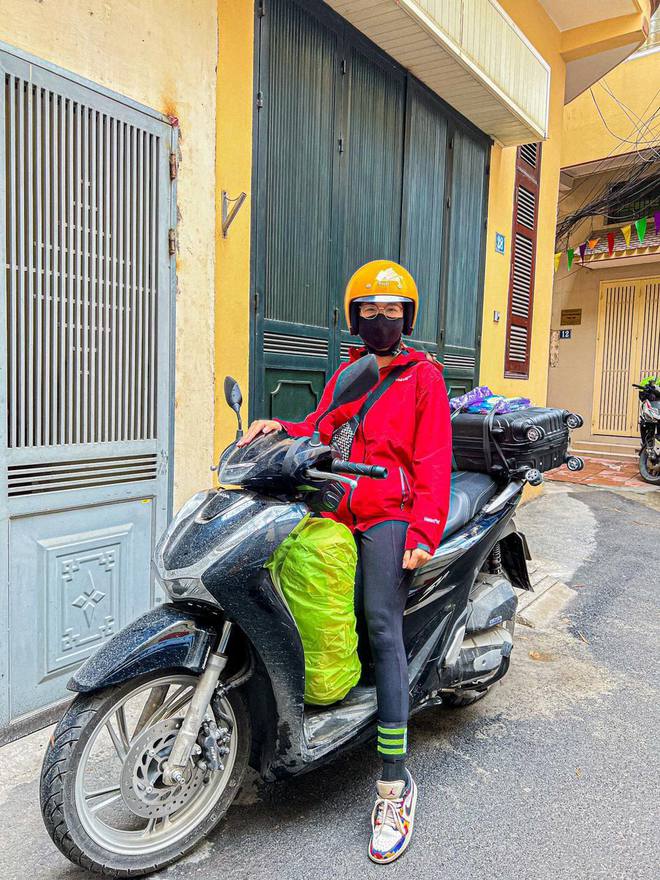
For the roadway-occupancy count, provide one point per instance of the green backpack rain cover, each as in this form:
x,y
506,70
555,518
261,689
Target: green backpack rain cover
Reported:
x,y
314,568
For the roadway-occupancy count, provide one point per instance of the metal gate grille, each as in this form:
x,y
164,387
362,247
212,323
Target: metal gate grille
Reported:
x,y
81,271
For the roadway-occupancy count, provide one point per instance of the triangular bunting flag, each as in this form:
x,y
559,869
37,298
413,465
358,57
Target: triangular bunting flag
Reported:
x,y
570,253
610,242
593,242
626,232
640,226
557,259
656,220
582,249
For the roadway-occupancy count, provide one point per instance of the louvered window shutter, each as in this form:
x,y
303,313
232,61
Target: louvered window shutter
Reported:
x,y
523,261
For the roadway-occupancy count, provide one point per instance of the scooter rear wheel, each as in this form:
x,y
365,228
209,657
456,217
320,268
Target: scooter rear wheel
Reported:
x,y
650,473
103,799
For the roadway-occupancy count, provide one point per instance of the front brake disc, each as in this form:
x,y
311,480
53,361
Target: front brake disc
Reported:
x,y
142,785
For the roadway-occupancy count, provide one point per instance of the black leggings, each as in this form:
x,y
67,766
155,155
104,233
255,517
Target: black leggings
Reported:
x,y
380,598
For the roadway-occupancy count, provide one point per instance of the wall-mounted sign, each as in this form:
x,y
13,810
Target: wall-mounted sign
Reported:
x,y
565,334
571,316
500,242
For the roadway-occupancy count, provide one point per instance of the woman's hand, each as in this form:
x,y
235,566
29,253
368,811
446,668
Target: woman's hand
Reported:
x,y
261,426
415,558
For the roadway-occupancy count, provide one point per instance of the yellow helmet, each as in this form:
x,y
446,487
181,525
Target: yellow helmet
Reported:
x,y
381,281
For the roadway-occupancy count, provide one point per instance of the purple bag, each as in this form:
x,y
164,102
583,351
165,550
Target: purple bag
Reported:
x,y
474,397
482,400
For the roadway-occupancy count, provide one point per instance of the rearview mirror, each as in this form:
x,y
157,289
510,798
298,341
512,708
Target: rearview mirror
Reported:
x,y
234,399
353,382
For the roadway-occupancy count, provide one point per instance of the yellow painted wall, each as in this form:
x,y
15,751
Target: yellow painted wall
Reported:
x,y
545,37
235,103
635,82
166,61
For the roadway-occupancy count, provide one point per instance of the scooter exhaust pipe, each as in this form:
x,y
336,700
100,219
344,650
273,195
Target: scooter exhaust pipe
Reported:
x,y
189,730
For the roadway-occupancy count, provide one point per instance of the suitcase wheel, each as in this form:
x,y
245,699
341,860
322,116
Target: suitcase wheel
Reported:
x,y
534,477
534,433
573,420
574,463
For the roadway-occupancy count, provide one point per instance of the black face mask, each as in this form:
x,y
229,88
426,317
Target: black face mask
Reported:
x,y
380,334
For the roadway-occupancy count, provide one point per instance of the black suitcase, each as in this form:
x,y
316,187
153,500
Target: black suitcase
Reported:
x,y
511,444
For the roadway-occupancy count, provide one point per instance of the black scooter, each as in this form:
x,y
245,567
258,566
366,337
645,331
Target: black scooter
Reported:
x,y
649,428
152,751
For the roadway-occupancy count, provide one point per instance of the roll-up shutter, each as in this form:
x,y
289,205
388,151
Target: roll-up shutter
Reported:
x,y
523,261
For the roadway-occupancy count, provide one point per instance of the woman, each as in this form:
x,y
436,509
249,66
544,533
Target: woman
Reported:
x,y
397,522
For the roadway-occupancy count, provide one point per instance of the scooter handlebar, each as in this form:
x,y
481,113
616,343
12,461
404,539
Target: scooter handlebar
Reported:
x,y
360,470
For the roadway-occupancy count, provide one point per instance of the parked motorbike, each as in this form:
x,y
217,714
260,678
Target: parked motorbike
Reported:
x,y
170,712
649,427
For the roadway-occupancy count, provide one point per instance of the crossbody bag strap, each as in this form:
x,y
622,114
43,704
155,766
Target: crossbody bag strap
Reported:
x,y
379,390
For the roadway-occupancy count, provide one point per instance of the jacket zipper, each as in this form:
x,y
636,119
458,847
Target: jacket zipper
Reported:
x,y
405,488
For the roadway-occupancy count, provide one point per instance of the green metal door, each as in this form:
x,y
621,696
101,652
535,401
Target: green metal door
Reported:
x,y
353,163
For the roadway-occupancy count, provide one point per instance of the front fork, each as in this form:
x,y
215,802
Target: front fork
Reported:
x,y
189,730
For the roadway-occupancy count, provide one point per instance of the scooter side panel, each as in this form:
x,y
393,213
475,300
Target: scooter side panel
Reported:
x,y
441,590
168,638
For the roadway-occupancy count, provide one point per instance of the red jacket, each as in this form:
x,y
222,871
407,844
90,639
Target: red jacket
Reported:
x,y
409,432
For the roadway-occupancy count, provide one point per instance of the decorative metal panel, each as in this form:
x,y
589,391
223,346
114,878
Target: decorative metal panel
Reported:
x,y
300,103
81,271
74,585
423,206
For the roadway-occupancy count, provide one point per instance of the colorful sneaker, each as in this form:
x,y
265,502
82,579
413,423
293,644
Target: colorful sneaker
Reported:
x,y
392,820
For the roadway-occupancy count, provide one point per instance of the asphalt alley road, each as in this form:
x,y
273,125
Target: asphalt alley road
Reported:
x,y
553,775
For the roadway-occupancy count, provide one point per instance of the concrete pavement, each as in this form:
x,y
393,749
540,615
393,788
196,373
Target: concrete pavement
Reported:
x,y
553,776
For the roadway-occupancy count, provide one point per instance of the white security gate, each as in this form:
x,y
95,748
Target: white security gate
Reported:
x,y
85,202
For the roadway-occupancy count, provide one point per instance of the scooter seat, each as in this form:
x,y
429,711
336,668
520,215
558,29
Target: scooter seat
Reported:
x,y
469,492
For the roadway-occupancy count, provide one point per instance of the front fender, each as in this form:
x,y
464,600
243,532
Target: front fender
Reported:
x,y
169,637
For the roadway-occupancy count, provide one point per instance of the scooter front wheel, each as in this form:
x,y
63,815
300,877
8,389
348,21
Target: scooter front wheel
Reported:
x,y
103,798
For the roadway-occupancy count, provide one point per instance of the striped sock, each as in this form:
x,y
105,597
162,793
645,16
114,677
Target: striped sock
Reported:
x,y
392,741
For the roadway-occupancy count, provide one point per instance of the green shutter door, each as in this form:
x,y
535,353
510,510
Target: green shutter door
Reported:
x,y
353,164
299,86
465,257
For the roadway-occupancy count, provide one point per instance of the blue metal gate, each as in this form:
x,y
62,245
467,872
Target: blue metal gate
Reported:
x,y
85,372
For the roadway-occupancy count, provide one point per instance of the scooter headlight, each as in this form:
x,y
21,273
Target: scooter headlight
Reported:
x,y
182,587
